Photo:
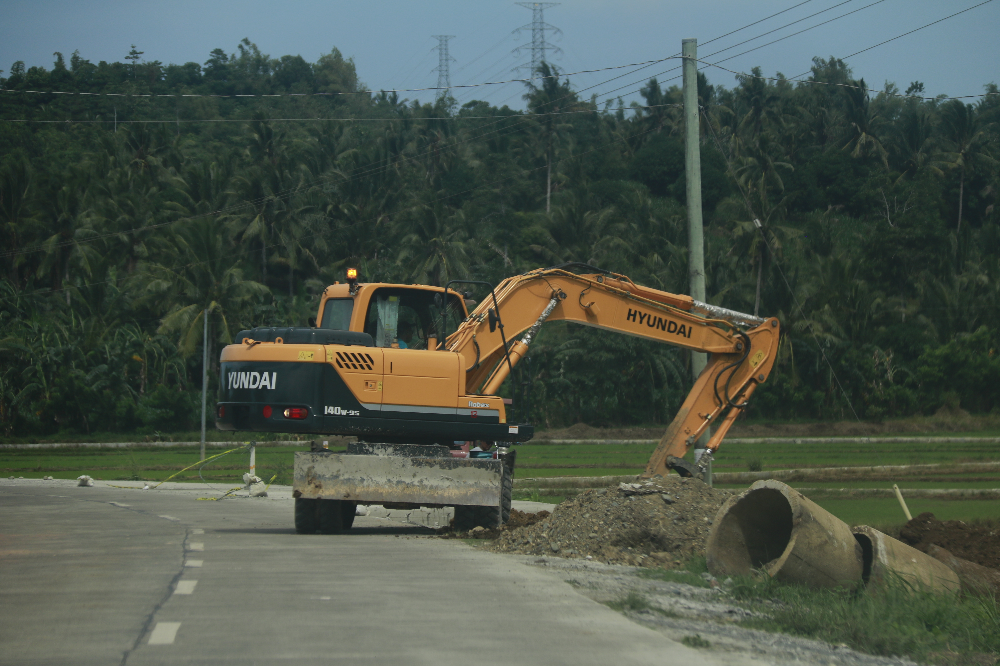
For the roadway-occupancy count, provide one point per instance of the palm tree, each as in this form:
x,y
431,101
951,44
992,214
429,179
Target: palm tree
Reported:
x,y
549,100
434,248
202,275
16,215
968,144
863,124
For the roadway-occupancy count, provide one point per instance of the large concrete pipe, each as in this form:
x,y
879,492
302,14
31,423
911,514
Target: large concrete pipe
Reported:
x,y
976,579
774,527
882,557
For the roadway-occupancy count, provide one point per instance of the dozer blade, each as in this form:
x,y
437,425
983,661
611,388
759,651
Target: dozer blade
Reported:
x,y
372,479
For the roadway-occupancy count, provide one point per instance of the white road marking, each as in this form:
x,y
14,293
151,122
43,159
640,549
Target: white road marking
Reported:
x,y
164,633
197,530
324,598
171,518
119,505
185,586
193,563
196,545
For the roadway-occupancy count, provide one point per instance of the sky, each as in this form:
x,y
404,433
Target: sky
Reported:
x,y
392,43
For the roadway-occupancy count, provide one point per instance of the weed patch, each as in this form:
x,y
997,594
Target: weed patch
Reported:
x,y
894,619
696,641
633,601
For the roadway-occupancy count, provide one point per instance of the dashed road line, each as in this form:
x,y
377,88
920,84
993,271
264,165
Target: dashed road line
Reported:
x,y
193,563
164,633
196,545
197,530
171,518
185,586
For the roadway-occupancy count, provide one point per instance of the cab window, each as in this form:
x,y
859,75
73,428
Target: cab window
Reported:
x,y
405,318
337,314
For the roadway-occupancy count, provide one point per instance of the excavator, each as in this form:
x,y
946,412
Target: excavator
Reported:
x,y
381,365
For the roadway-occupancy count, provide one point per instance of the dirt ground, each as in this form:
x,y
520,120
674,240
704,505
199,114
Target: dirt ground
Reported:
x,y
977,542
944,421
657,523
681,612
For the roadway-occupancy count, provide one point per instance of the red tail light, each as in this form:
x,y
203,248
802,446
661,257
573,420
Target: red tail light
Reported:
x,y
296,413
222,411
267,411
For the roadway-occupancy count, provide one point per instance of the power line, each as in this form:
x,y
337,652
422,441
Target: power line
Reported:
x,y
756,48
906,33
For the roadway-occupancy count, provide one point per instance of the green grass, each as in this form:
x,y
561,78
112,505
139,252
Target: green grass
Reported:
x,y
893,619
695,641
886,511
633,601
146,463
212,435
690,575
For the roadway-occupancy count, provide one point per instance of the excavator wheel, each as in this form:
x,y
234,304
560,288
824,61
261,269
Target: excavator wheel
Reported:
x,y
331,515
490,517
350,510
306,519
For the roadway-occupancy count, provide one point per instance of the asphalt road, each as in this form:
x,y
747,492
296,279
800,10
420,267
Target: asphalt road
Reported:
x,y
106,575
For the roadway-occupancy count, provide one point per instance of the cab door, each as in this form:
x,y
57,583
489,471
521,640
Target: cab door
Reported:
x,y
420,384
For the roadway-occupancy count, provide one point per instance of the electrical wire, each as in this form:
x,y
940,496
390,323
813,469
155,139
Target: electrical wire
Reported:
x,y
788,286
905,34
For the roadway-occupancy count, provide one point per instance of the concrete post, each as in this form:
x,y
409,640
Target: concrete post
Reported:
x,y
204,381
692,172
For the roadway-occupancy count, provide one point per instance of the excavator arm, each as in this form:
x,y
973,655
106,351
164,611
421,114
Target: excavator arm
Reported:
x,y
742,348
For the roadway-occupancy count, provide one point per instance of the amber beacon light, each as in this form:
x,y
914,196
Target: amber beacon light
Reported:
x,y
352,279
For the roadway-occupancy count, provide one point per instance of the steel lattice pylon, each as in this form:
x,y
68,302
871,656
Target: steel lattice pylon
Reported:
x,y
444,60
538,45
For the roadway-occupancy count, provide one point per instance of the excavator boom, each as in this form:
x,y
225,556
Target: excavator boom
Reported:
x,y
742,347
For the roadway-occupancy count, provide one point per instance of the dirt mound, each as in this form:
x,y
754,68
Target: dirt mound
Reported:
x,y
657,523
977,542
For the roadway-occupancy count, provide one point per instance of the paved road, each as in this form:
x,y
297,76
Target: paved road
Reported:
x,y
107,575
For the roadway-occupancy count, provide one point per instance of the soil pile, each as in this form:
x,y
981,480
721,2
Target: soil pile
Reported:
x,y
977,542
656,523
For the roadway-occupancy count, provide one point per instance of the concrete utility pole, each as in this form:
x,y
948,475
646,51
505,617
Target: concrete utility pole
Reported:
x,y
692,164
204,381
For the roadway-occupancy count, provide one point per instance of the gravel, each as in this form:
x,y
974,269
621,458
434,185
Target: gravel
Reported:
x,y
652,524
681,611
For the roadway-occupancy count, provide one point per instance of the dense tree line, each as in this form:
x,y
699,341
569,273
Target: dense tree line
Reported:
x,y
878,247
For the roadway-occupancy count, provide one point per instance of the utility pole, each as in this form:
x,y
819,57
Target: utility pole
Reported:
x,y
538,26
444,60
696,239
204,381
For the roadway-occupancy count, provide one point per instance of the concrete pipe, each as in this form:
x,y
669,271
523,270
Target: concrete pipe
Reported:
x,y
773,527
883,557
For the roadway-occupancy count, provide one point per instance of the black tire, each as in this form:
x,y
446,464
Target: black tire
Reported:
x,y
490,517
347,518
306,521
331,516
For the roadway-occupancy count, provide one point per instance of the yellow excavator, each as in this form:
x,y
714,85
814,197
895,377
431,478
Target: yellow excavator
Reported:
x,y
381,365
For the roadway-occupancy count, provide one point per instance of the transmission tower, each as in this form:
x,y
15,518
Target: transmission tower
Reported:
x,y
538,26
444,60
